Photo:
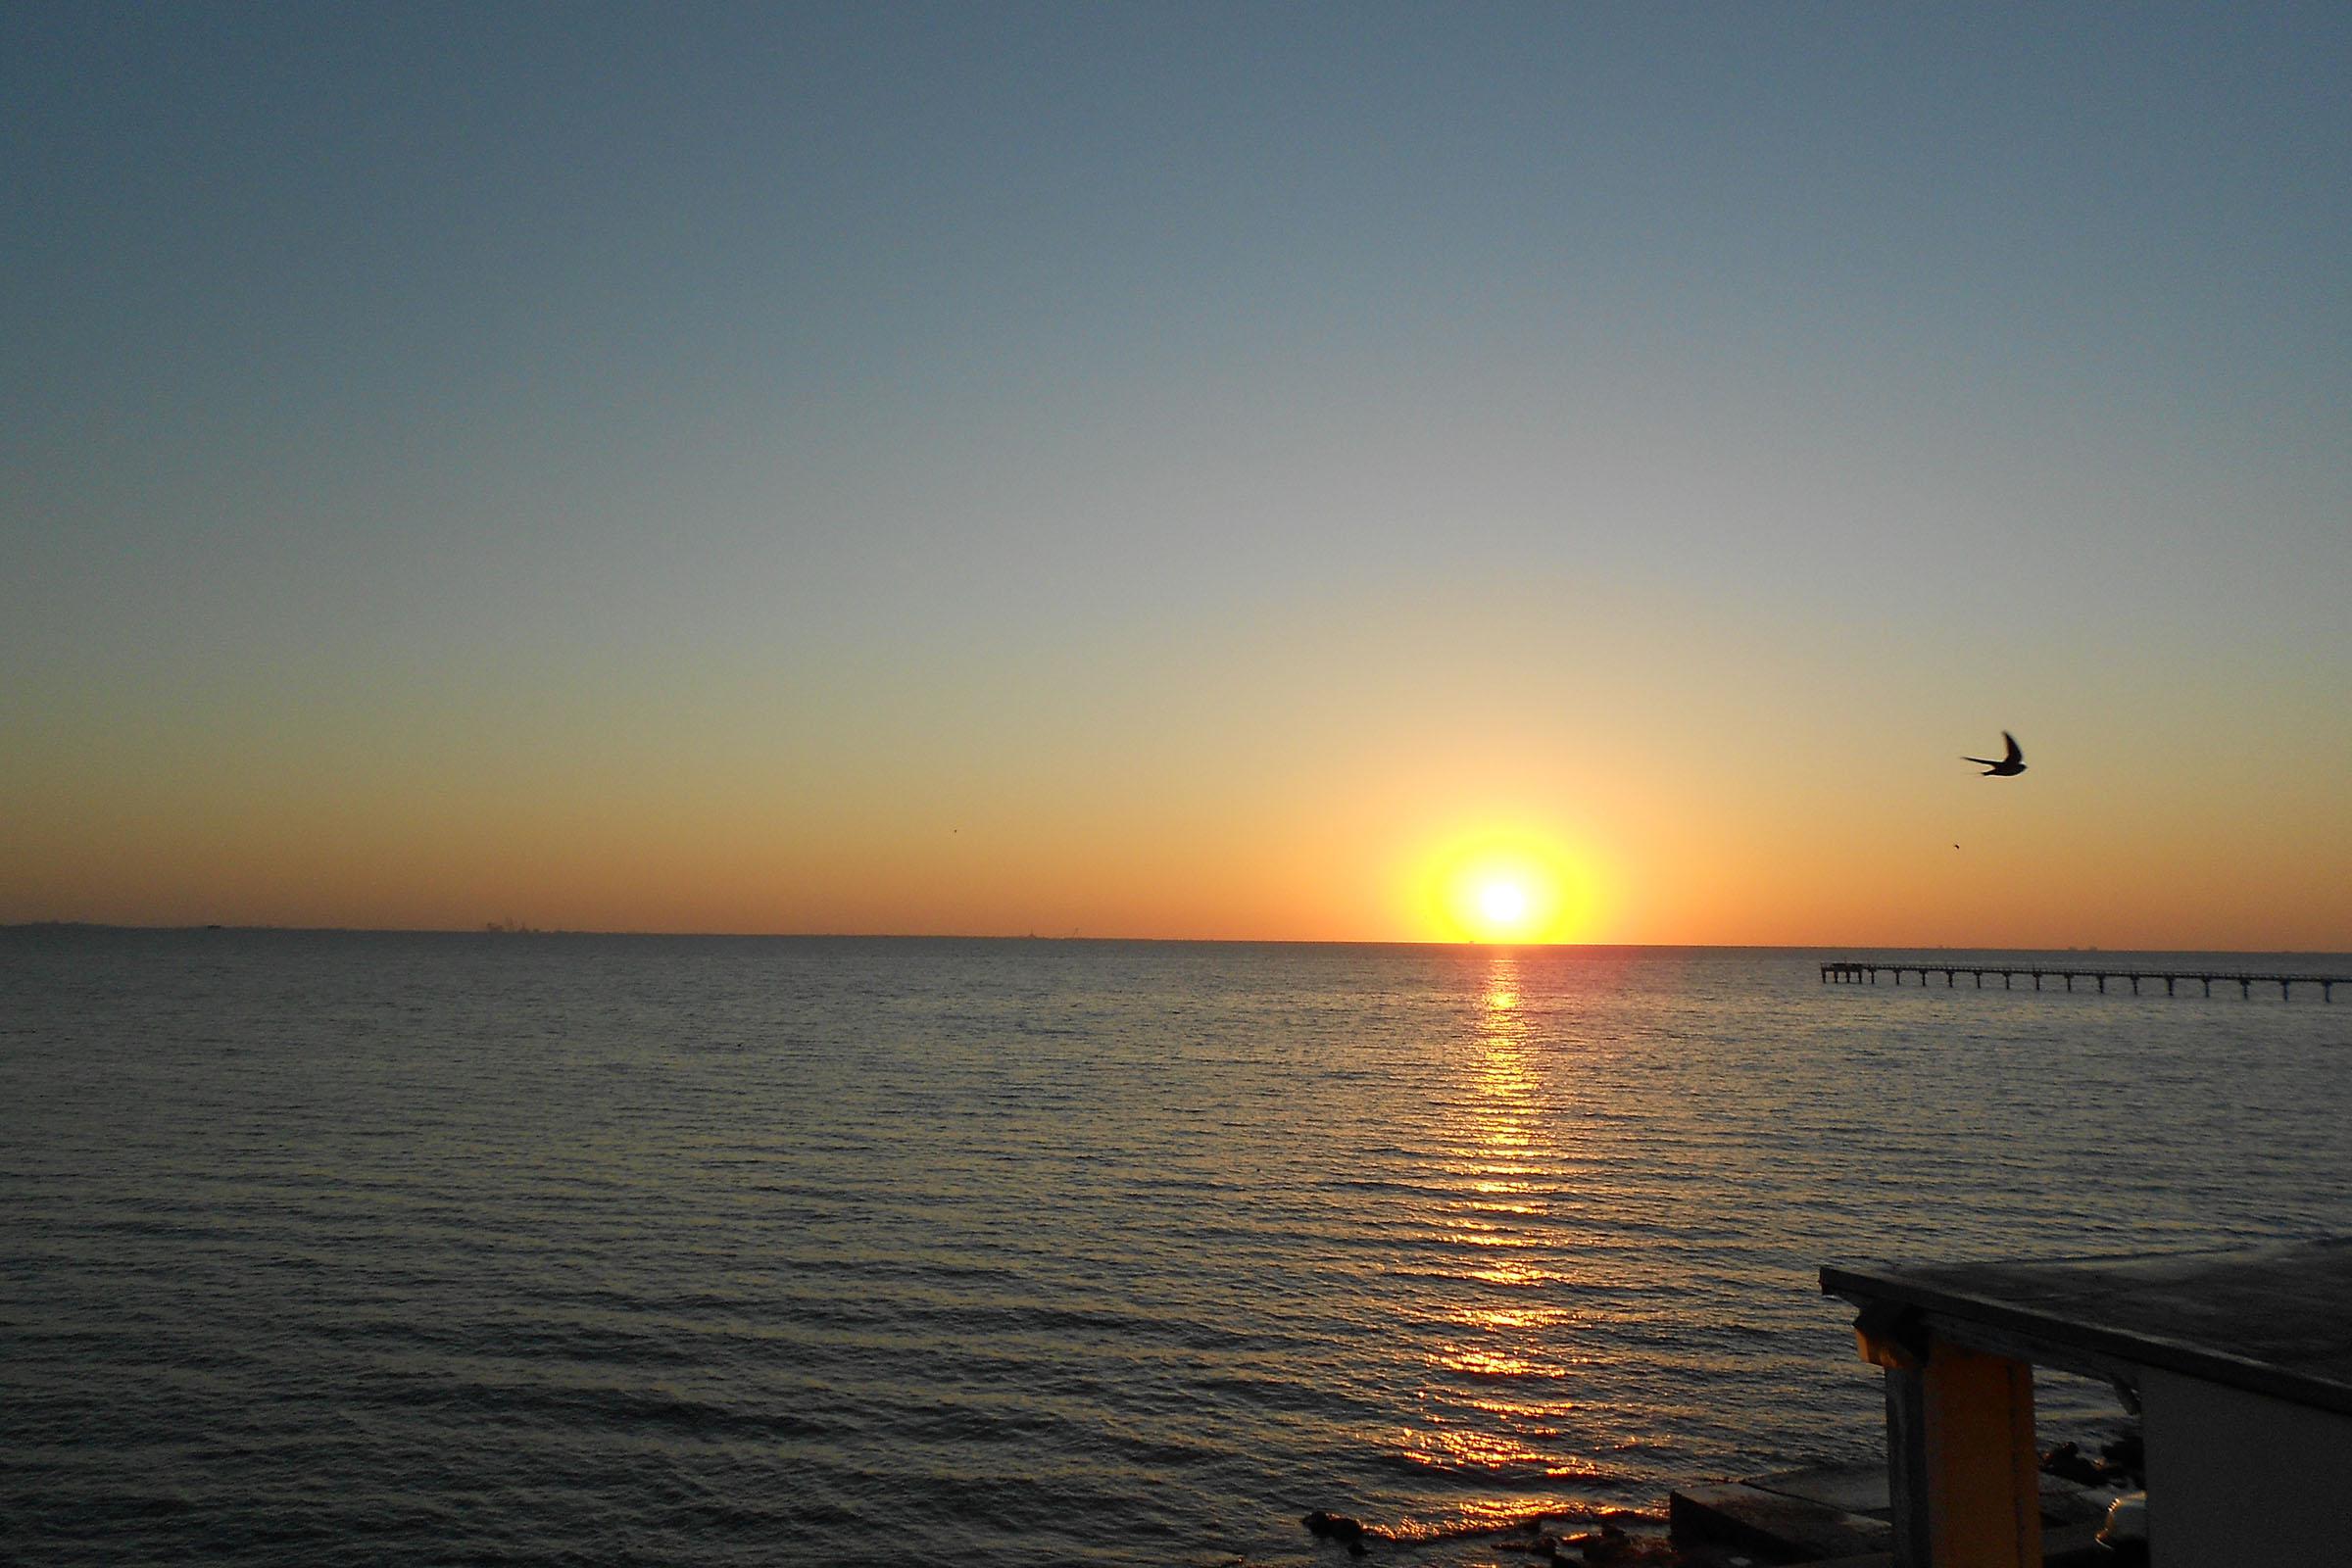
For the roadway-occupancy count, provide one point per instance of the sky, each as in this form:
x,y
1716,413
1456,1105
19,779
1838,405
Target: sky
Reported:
x,y
1180,470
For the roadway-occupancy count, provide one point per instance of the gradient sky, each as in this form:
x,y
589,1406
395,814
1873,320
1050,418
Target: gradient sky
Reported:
x,y
1179,470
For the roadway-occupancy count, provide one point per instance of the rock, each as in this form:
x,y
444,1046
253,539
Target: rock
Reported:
x,y
1349,1532
1606,1545
2068,1463
2125,1534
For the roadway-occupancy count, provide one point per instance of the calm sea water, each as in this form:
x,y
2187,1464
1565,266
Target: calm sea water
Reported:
x,y
578,1249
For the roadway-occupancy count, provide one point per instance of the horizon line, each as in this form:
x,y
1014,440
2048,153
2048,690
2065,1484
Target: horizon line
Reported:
x,y
497,929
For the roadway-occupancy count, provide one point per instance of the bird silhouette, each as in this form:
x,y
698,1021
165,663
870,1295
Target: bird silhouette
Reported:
x,y
2008,766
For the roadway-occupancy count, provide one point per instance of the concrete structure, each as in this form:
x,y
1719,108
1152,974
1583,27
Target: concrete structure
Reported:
x,y
2241,1362
1837,1516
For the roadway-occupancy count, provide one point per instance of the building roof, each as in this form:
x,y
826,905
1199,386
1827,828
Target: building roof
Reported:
x,y
2274,1320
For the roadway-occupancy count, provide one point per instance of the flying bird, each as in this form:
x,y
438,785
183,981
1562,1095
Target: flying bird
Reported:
x,y
2008,766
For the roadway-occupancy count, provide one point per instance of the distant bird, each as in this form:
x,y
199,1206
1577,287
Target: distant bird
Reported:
x,y
2008,766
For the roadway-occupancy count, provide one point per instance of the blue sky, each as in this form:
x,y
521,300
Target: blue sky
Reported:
x,y
833,373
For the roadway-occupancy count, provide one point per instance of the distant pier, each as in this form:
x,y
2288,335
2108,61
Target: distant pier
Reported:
x,y
1865,971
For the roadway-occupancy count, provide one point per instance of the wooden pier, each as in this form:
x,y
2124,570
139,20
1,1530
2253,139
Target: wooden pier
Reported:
x,y
1866,971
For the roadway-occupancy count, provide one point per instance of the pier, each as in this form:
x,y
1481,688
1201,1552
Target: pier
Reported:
x,y
1866,971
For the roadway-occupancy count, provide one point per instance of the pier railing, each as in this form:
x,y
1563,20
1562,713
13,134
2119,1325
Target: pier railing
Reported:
x,y
1866,971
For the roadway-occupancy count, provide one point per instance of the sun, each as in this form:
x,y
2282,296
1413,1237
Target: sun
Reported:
x,y
1502,903
1507,886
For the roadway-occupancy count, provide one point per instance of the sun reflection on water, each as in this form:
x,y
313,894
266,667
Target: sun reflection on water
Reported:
x,y
1499,1376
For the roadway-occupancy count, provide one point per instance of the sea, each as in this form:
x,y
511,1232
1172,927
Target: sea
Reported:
x,y
518,1249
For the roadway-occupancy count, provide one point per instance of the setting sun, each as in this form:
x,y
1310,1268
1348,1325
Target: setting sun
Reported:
x,y
1506,886
1510,903
1502,903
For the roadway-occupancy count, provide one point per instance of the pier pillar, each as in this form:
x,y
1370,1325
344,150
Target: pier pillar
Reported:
x,y
2167,985
2135,984
2209,985
2282,985
1962,1476
2070,983
2245,988
2102,985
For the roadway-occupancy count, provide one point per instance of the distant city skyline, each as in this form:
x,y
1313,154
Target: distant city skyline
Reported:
x,y
1364,472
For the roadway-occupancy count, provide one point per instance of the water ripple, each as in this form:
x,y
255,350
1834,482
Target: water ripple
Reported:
x,y
596,1251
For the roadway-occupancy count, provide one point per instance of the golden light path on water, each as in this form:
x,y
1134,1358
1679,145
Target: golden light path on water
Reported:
x,y
1500,1377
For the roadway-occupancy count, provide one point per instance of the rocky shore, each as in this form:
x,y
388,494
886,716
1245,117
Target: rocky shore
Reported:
x,y
1835,1517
